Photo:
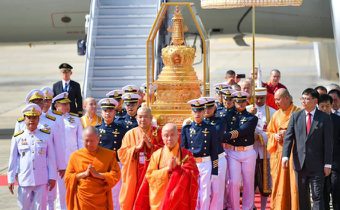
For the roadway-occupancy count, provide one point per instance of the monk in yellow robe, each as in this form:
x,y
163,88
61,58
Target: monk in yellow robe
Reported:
x,y
284,187
172,177
91,173
90,117
137,147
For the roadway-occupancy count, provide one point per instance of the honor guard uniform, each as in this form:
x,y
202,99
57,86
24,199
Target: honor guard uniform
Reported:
x,y
117,95
131,102
262,171
110,137
218,88
32,163
201,139
241,155
218,186
228,103
73,138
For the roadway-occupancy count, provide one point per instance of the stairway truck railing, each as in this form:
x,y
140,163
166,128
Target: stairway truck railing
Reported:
x,y
90,43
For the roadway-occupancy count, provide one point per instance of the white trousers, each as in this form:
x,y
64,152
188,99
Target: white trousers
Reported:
x,y
61,194
115,192
242,167
203,200
51,197
33,197
218,185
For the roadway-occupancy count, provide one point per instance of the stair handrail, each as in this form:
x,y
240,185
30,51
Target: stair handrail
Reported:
x,y
90,46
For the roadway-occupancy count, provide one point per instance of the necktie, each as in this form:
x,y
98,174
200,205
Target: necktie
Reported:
x,y
66,87
309,122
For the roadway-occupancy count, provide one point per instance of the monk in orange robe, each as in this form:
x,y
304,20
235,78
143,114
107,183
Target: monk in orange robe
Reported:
x,y
90,117
137,147
172,177
284,187
91,173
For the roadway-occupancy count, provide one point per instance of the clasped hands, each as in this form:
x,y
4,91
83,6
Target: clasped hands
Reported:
x,y
146,141
172,163
90,171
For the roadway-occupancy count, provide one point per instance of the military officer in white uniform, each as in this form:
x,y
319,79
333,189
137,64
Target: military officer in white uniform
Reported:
x,y
73,137
60,133
32,162
262,171
50,123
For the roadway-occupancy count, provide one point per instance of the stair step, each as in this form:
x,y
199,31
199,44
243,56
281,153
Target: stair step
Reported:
x,y
115,40
119,60
120,50
126,2
122,30
120,81
100,71
111,20
129,9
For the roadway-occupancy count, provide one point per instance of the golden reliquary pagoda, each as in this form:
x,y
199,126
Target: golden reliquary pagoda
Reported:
x,y
177,83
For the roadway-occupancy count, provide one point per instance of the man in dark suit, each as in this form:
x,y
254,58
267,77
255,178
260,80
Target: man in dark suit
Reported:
x,y
310,133
70,86
332,182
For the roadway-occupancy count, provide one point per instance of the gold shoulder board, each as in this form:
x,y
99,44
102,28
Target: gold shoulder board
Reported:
x,y
56,112
74,114
20,119
50,117
18,133
45,131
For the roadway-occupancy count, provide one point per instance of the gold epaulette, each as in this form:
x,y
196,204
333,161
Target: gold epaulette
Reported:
x,y
45,131
20,119
74,114
18,133
57,112
50,117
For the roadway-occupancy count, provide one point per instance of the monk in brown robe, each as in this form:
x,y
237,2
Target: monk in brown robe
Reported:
x,y
284,187
91,173
172,177
137,147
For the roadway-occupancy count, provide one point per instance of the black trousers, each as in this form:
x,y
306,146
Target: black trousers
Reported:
x,y
332,186
310,182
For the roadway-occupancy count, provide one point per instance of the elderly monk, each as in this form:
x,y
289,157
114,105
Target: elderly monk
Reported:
x,y
90,175
137,146
284,188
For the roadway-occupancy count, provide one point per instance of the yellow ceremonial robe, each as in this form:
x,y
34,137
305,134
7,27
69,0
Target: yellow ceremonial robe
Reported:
x,y
157,174
91,193
284,188
86,121
132,170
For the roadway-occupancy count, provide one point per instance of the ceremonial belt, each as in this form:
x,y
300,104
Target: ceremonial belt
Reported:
x,y
221,155
202,159
237,148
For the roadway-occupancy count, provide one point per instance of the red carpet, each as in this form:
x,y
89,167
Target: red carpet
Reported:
x,y
3,182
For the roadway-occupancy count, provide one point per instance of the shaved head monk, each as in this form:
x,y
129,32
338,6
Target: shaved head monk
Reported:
x,y
284,188
91,173
172,176
137,147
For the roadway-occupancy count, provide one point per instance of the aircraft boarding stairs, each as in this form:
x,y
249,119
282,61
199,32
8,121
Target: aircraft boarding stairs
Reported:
x,y
116,41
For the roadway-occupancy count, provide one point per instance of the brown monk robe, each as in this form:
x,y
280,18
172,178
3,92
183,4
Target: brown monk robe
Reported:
x,y
137,147
284,187
91,173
